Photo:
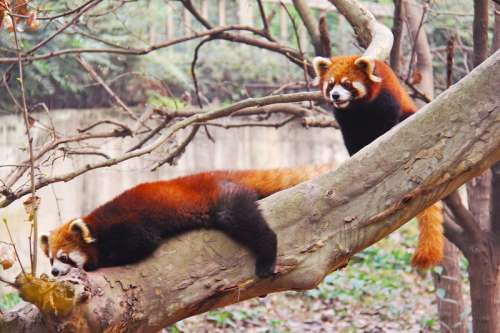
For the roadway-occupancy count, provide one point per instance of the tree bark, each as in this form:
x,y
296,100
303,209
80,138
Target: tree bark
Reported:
x,y
496,30
451,304
480,31
320,224
484,276
311,25
413,14
397,31
483,253
376,37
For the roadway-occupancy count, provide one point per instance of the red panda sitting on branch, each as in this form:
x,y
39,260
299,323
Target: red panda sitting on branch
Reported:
x,y
132,225
368,100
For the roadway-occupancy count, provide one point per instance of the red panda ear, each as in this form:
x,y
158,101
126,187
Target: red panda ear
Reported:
x,y
367,65
79,227
44,244
321,65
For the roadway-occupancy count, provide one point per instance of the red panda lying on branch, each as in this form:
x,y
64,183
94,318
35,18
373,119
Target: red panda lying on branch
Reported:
x,y
132,225
368,100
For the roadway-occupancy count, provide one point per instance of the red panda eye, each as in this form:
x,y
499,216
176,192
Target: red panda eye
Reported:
x,y
346,84
64,259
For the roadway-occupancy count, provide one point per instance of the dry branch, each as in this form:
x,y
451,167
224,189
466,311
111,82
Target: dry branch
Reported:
x,y
310,23
320,224
7,196
376,37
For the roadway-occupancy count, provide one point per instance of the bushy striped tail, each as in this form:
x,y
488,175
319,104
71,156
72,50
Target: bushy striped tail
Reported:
x,y
430,245
267,182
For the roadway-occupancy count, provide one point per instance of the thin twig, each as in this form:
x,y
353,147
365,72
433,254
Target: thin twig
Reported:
x,y
34,242
425,8
110,92
179,149
13,245
196,118
105,121
12,284
193,70
296,32
450,52
263,17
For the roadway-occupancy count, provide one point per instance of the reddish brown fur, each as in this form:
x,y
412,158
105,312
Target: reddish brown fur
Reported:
x,y
429,251
343,66
68,241
131,226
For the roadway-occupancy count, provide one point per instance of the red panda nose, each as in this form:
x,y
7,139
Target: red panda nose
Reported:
x,y
55,271
335,96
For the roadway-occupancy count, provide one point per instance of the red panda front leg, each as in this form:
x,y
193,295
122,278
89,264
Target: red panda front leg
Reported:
x,y
238,215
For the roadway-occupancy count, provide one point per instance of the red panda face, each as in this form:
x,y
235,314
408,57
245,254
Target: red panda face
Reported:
x,y
69,246
345,78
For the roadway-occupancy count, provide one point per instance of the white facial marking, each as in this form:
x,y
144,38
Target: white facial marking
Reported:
x,y
78,258
61,267
326,84
342,96
360,87
59,253
344,79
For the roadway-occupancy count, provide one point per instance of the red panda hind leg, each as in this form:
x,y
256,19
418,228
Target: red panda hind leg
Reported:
x,y
429,250
238,215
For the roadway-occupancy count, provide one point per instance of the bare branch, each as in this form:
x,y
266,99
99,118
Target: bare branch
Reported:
x,y
453,232
263,17
462,216
27,124
320,224
110,92
324,37
194,119
397,31
411,11
310,24
141,51
172,156
124,127
374,36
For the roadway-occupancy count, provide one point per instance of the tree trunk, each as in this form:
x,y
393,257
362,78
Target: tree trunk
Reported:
x,y
450,306
480,31
496,30
484,253
320,224
450,303
484,275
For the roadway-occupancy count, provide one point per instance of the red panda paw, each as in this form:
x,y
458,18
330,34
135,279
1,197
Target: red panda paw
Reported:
x,y
265,269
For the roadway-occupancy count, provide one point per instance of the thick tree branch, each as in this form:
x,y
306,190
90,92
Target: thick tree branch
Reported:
x,y
320,224
376,37
463,217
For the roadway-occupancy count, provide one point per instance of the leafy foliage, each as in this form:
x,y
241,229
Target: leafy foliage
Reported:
x,y
9,300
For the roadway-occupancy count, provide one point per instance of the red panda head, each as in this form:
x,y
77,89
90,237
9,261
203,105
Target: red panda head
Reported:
x,y
70,245
343,79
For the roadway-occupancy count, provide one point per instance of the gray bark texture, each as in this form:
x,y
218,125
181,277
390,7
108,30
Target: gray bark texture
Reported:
x,y
320,224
